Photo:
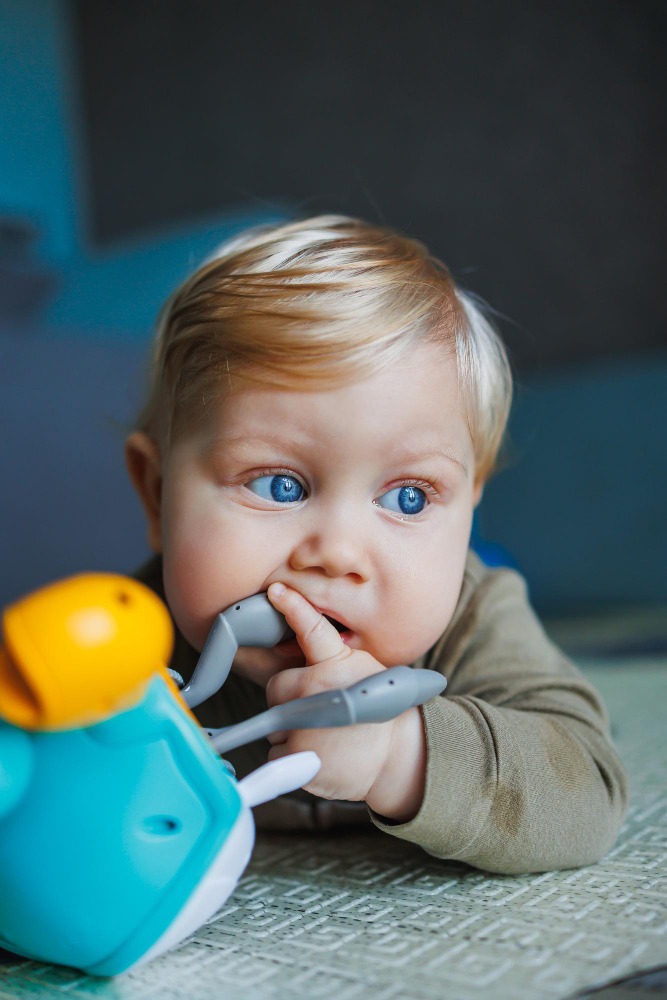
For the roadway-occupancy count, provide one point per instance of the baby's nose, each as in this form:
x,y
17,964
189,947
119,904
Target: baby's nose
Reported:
x,y
334,551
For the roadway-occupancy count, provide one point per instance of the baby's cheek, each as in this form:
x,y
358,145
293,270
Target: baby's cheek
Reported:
x,y
206,571
186,600
418,638
193,581
418,624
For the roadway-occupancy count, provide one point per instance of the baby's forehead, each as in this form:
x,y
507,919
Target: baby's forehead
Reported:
x,y
384,416
424,376
421,367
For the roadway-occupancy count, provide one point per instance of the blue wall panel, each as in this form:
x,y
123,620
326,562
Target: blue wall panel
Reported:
x,y
582,503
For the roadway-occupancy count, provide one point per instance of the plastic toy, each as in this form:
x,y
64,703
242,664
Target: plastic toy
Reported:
x,y
121,829
79,650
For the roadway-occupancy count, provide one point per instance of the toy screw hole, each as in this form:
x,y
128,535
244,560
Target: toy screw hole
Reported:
x,y
237,608
364,691
391,682
162,826
123,598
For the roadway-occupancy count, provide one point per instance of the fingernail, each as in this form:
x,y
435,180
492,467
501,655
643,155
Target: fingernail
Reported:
x,y
277,589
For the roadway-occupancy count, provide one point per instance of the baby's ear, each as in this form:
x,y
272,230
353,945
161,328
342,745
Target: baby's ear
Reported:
x,y
144,464
477,492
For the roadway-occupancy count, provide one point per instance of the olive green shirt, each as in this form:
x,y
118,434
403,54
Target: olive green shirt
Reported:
x,y
521,774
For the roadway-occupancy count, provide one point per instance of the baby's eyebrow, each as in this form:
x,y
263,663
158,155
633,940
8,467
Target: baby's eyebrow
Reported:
x,y
251,438
438,454
404,457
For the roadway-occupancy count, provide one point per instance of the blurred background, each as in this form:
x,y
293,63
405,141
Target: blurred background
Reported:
x,y
524,142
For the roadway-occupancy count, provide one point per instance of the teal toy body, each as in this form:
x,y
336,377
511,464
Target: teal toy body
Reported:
x,y
121,829
104,832
119,840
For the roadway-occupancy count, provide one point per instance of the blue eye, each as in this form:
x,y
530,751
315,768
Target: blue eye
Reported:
x,y
403,500
282,489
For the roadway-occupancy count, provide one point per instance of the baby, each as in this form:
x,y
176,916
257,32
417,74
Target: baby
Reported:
x,y
325,409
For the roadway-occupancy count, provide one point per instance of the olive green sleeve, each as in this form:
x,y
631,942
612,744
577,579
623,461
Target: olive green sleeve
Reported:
x,y
521,773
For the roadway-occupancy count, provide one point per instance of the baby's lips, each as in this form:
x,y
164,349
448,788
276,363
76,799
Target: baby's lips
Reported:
x,y
337,624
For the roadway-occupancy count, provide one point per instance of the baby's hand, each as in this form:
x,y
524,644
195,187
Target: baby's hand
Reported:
x,y
362,762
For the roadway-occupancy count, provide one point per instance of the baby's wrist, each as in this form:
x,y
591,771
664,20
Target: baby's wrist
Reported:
x,y
398,791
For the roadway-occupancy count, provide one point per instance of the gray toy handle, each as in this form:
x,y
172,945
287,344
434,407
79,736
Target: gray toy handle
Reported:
x,y
251,622
255,622
378,698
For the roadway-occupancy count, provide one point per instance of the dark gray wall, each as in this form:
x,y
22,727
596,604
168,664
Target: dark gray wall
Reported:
x,y
523,141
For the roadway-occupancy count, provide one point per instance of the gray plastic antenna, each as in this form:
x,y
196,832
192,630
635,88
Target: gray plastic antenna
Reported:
x,y
378,698
251,622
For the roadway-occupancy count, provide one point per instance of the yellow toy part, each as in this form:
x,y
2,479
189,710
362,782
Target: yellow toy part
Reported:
x,y
81,649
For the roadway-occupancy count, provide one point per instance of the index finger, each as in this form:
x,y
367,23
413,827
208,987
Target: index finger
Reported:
x,y
318,638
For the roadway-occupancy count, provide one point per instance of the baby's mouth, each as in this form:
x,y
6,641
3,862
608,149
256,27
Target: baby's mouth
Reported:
x,y
344,631
336,624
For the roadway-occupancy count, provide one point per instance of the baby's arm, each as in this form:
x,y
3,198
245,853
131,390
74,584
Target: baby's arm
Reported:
x,y
521,774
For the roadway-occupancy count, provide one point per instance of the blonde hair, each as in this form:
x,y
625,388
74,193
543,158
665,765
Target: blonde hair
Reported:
x,y
314,302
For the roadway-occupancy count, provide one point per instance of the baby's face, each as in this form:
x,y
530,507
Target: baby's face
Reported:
x,y
360,497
